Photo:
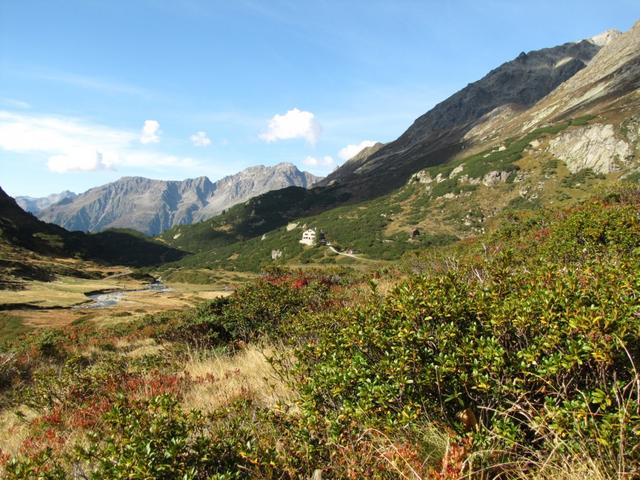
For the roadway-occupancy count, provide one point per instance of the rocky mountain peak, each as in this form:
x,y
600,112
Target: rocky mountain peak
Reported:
x,y
438,134
605,37
152,206
36,205
612,73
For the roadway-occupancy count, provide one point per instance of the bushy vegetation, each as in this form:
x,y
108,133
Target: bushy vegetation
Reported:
x,y
581,177
360,227
502,356
252,218
254,311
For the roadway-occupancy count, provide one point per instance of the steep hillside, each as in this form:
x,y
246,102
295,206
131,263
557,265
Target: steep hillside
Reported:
x,y
584,132
152,206
22,233
438,134
582,136
434,139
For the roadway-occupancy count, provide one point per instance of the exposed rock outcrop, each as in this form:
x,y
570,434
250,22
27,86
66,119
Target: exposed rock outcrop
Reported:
x,y
494,178
595,147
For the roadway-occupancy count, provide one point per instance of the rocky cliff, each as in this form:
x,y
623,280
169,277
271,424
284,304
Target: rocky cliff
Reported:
x,y
608,92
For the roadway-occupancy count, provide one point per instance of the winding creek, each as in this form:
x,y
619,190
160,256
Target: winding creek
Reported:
x,y
111,297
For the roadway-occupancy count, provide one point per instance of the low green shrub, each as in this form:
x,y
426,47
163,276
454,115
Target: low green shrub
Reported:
x,y
254,311
580,178
142,440
532,346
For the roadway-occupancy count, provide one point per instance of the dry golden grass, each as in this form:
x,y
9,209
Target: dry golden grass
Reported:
x,y
139,348
557,465
63,292
221,379
212,294
69,292
14,428
572,469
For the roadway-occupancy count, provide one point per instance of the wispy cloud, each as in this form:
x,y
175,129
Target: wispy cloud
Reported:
x,y
93,83
12,102
87,82
70,144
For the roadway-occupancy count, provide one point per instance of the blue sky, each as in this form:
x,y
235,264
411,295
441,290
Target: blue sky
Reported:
x,y
93,90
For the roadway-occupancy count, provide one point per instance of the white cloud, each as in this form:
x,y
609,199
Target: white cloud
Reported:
x,y
150,132
200,139
325,162
351,151
75,145
293,124
80,160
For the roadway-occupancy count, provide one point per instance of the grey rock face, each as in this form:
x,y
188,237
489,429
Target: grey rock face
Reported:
x,y
612,74
152,206
36,205
595,147
437,135
494,178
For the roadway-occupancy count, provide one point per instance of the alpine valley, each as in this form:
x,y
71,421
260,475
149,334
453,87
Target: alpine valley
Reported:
x,y
547,128
460,303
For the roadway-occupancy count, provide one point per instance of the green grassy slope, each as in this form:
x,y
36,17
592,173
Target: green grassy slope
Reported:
x,y
456,202
360,227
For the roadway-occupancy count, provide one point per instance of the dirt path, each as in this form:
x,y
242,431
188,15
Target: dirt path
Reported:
x,y
350,255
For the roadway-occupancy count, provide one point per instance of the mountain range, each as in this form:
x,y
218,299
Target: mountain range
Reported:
x,y
152,206
29,247
36,205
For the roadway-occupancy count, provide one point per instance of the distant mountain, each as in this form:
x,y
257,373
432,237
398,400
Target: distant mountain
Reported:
x,y
439,134
23,231
36,205
153,206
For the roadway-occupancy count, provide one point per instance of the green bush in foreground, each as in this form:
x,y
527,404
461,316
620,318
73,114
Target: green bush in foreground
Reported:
x,y
253,311
532,348
146,439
